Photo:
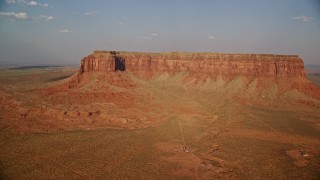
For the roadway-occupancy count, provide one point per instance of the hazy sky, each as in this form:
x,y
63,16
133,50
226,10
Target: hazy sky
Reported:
x,y
64,31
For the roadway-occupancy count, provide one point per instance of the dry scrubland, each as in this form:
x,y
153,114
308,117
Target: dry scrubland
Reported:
x,y
226,137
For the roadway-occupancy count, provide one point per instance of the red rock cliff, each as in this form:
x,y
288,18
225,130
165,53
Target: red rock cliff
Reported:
x,y
285,70
208,63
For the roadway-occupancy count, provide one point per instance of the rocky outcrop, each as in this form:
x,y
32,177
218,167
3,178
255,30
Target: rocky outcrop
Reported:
x,y
137,90
207,63
285,70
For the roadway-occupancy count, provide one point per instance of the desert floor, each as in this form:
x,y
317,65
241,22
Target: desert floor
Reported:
x,y
175,133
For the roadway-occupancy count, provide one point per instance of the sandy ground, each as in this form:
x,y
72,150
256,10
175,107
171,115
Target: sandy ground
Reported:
x,y
155,129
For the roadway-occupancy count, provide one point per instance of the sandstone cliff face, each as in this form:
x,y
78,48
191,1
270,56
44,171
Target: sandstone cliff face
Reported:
x,y
290,66
286,71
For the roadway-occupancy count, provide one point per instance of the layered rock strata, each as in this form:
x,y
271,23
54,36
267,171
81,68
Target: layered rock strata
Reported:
x,y
286,71
208,63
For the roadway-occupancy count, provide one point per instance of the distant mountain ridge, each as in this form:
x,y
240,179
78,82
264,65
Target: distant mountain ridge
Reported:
x,y
33,67
312,69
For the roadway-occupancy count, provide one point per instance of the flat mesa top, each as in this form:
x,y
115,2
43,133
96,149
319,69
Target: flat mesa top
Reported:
x,y
194,53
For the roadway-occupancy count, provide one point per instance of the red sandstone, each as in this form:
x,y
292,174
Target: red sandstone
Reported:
x,y
285,70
